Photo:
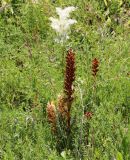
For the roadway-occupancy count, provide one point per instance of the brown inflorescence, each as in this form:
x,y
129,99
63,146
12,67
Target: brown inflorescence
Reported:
x,y
69,75
68,84
95,65
65,100
51,114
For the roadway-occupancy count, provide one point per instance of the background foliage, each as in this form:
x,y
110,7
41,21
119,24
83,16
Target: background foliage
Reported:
x,y
31,75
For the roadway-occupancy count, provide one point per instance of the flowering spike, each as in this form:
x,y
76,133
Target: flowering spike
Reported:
x,y
95,65
51,114
69,75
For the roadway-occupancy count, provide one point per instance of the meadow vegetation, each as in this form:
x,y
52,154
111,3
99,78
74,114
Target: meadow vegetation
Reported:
x,y
42,116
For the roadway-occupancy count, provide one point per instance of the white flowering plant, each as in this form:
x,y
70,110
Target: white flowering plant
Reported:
x,y
62,24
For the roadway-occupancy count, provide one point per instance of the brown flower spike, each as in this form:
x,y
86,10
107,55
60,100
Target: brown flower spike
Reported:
x,y
65,100
51,115
69,75
68,84
95,65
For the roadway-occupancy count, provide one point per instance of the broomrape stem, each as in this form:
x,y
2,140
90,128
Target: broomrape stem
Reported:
x,y
60,117
95,69
95,66
68,82
65,101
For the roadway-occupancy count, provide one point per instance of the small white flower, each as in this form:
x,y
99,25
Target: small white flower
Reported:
x,y
62,25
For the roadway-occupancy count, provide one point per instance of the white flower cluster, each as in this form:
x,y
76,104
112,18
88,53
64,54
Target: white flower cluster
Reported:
x,y
62,25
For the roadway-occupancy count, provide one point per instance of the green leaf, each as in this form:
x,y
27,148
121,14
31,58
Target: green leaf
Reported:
x,y
105,1
119,156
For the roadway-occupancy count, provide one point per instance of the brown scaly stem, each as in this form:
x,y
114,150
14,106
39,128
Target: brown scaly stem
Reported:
x,y
95,66
65,100
69,75
95,69
68,82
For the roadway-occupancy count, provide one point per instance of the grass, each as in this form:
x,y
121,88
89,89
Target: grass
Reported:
x,y
31,75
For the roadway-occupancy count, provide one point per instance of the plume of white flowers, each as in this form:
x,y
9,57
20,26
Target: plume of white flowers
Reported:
x,y
62,25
